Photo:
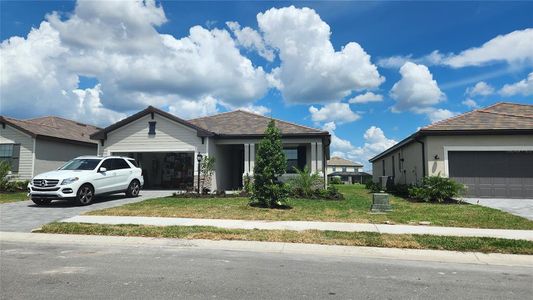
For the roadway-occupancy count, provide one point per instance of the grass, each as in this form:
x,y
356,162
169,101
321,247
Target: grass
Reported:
x,y
13,197
371,239
355,208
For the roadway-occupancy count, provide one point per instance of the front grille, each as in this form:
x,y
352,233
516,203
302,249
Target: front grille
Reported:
x,y
36,189
45,182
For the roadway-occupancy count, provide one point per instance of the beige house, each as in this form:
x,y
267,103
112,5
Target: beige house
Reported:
x,y
39,145
346,170
167,147
490,150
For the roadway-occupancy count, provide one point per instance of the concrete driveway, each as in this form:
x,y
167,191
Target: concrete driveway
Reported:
x,y
519,207
25,215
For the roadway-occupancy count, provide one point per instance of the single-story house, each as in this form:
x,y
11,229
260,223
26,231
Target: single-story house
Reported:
x,y
39,145
166,146
346,170
490,150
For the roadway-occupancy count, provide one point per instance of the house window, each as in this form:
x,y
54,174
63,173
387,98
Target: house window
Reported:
x,y
295,158
151,127
334,169
10,153
344,169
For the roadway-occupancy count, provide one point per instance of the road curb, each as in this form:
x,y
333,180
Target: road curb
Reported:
x,y
276,247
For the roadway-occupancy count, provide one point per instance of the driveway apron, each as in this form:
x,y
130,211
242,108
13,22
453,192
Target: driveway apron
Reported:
x,y
25,215
518,207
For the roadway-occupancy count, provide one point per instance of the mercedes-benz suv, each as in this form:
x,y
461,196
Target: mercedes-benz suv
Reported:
x,y
85,177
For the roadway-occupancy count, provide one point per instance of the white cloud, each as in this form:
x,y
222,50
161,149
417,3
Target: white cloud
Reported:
x,y
439,114
480,89
523,87
116,42
416,89
90,109
513,48
375,143
337,112
311,70
188,109
366,98
251,39
470,103
256,109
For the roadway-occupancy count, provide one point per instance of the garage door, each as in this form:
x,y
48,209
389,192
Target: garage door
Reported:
x,y
493,174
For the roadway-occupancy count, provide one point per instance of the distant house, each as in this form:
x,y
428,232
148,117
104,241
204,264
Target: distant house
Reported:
x,y
490,150
167,147
347,171
43,144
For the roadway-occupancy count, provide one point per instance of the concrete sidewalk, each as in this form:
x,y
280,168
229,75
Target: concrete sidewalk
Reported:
x,y
274,247
305,225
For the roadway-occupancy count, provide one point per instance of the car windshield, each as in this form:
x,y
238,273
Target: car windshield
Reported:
x,y
81,164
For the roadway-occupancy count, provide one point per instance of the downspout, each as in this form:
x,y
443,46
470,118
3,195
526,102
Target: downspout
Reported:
x,y
423,157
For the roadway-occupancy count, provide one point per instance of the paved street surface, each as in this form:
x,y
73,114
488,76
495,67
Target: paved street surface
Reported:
x,y
519,207
25,215
32,270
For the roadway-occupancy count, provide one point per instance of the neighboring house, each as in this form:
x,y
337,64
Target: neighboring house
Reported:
x,y
166,146
43,144
348,171
490,150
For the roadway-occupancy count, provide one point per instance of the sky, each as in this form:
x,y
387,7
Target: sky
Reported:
x,y
371,73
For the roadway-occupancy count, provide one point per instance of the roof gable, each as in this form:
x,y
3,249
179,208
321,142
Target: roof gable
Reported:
x,y
243,123
54,127
339,161
102,134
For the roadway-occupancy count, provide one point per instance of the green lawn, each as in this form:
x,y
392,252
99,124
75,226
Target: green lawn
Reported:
x,y
355,208
13,197
370,239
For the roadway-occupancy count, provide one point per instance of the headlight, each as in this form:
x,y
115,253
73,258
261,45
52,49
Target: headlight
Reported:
x,y
69,180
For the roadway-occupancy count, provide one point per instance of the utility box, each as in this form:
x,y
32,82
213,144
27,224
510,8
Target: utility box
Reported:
x,y
380,202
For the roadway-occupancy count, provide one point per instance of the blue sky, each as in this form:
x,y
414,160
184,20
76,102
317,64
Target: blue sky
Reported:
x,y
99,62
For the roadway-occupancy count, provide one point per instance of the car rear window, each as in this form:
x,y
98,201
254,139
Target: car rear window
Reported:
x,y
133,162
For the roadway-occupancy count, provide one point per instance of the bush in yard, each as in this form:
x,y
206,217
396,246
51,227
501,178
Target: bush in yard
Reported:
x,y
207,167
4,172
436,189
305,183
268,190
335,180
374,187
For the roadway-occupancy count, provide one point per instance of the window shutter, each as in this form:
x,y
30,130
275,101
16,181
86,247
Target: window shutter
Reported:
x,y
15,158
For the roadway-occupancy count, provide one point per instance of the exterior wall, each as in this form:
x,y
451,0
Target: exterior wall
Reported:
x,y
10,135
50,155
439,145
408,171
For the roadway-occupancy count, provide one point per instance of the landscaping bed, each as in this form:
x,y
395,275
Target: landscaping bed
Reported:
x,y
371,239
354,208
6,197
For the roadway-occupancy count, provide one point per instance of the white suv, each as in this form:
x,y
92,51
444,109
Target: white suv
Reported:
x,y
85,177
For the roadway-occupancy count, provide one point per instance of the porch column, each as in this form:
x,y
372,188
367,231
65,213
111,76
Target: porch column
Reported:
x,y
246,159
319,157
313,158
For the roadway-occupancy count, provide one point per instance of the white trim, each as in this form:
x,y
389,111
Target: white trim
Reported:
x,y
479,148
193,149
32,158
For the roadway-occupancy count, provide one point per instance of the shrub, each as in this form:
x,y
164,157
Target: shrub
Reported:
x,y
400,190
305,182
436,189
374,187
207,167
268,190
335,180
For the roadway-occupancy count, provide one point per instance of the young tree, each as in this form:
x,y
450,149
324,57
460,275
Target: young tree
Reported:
x,y
207,167
270,164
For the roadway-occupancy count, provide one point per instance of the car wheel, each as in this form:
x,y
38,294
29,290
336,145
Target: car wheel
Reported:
x,y
85,195
41,202
133,189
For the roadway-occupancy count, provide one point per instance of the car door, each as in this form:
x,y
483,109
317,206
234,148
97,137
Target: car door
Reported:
x,y
123,174
105,180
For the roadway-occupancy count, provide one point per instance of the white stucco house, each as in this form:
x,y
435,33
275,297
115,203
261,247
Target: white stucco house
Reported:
x,y
166,146
490,150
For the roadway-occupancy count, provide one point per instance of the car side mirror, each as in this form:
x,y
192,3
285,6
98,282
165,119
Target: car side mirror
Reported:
x,y
102,169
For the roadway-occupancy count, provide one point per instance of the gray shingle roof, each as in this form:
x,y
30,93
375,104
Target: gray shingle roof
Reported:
x,y
242,123
55,127
498,116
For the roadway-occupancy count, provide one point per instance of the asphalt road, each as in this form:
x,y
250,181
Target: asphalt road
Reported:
x,y
30,270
